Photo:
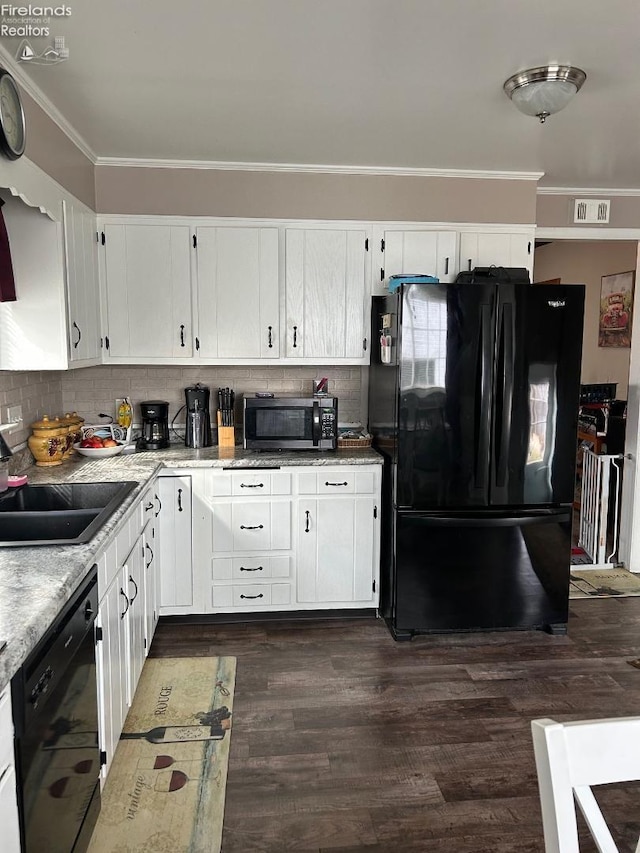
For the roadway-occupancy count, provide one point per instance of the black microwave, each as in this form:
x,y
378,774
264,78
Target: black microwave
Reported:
x,y
290,423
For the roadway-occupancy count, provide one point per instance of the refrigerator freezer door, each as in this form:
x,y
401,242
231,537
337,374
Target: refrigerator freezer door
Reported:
x,y
446,359
537,385
478,574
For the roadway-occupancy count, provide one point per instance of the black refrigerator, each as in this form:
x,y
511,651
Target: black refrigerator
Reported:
x,y
473,403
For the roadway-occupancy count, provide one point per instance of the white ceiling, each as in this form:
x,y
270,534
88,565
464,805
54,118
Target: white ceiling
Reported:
x,y
378,83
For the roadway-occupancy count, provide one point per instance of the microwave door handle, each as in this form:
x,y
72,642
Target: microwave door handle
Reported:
x,y
315,424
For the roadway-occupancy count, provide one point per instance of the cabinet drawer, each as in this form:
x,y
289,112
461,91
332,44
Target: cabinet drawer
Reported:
x,y
247,596
252,526
146,509
253,569
337,482
107,567
249,484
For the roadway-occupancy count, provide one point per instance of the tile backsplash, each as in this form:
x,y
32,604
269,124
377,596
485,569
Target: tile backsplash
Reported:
x,y
38,392
92,391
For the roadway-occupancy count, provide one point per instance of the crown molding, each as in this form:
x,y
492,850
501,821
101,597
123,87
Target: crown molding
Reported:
x,y
231,166
16,70
587,192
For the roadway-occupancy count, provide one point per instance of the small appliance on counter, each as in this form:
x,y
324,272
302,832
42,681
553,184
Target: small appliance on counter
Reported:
x,y
290,423
198,418
155,425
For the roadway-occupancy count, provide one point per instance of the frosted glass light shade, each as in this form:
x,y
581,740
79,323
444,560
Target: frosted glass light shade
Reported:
x,y
544,91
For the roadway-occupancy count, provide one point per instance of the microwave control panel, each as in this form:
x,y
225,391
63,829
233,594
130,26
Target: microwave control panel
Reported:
x,y
328,423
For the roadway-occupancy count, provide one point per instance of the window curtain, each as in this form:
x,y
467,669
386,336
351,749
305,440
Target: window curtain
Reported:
x,y
7,282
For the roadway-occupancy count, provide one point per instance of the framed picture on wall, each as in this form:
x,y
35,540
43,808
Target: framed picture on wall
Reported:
x,y
616,309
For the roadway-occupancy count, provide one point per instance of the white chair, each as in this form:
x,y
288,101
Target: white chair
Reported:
x,y
570,757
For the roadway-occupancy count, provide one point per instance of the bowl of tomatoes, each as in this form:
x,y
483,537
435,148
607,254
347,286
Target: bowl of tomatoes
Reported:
x,y
98,443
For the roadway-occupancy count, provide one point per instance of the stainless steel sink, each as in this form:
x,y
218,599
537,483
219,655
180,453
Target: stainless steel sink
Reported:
x,y
59,513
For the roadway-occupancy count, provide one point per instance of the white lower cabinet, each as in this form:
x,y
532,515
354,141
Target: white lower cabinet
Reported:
x,y
306,538
176,594
8,801
126,621
337,537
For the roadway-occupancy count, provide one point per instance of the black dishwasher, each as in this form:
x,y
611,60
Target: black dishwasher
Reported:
x,y
55,711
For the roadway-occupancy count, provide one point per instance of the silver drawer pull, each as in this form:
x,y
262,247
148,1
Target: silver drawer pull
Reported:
x,y
259,595
336,484
251,527
251,485
257,569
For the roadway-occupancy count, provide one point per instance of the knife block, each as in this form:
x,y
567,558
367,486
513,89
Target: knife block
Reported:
x,y
226,434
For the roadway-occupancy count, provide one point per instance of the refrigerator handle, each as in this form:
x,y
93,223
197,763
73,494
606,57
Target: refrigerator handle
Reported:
x,y
504,398
483,399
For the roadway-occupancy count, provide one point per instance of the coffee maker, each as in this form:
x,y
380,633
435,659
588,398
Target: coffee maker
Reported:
x,y
198,424
155,425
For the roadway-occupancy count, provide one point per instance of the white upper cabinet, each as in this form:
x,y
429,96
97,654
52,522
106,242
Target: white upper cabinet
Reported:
x,y
83,293
238,293
33,329
485,249
416,252
326,295
147,283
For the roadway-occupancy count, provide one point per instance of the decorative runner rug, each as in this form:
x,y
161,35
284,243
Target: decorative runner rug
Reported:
x,y
603,583
166,787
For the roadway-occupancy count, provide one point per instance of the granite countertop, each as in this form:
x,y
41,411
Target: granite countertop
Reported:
x,y
37,581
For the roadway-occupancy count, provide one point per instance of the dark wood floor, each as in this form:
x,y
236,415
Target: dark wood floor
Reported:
x,y
345,741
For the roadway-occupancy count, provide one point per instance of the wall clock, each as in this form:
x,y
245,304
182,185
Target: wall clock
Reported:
x,y
12,124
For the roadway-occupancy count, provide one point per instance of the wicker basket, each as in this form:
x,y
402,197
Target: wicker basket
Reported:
x,y
354,442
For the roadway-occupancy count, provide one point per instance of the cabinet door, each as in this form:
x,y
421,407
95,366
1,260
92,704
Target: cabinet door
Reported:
x,y
112,666
148,291
238,308
83,297
133,584
9,812
176,594
336,550
417,253
327,300
150,552
490,249
8,801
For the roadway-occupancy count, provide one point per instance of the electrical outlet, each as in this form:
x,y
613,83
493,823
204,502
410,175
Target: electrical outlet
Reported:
x,y
14,415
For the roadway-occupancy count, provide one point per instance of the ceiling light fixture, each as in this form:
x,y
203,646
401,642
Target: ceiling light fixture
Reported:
x,y
545,90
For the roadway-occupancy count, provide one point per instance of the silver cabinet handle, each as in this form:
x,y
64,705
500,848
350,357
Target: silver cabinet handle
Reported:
x,y
150,549
257,569
336,484
149,507
179,500
306,529
295,336
259,595
159,510
270,338
251,485
251,526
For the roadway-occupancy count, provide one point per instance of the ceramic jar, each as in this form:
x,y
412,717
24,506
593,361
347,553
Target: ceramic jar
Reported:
x,y
74,423
48,441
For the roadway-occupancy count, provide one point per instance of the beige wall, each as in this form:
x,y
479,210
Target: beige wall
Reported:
x,y
38,392
93,390
556,211
286,195
585,262
52,150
